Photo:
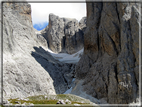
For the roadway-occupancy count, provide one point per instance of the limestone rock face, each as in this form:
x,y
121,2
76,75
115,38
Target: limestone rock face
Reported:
x,y
65,35
110,63
82,24
22,74
28,68
41,38
55,33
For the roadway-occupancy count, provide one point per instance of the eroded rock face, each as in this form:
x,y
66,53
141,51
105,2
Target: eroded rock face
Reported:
x,y
28,69
41,38
65,35
22,74
110,63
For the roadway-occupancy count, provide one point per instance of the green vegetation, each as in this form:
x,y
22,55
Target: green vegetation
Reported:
x,y
72,98
51,100
17,101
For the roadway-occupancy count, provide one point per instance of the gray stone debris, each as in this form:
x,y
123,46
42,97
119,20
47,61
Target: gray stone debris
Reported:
x,y
67,101
60,102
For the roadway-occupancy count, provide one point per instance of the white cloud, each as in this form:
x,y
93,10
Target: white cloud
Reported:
x,y
41,11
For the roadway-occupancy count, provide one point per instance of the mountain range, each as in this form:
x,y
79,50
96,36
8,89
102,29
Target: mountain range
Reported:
x,y
96,58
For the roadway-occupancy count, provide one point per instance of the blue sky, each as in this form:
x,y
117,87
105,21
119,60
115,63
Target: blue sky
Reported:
x,y
40,26
41,11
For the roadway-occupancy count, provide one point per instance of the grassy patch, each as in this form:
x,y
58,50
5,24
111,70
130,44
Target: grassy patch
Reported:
x,y
50,99
72,98
16,101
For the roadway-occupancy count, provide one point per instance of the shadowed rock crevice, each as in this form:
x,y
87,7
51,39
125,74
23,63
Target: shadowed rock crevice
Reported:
x,y
61,73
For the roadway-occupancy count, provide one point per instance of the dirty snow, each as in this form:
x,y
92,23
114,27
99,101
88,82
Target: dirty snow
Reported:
x,y
69,90
67,58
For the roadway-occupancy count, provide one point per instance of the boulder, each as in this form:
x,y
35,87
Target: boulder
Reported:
x,y
67,101
60,102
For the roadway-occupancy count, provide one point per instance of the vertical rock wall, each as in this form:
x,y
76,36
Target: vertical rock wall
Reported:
x,y
110,64
23,76
65,35
28,68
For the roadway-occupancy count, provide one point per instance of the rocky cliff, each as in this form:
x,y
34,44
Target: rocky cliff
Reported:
x,y
28,68
108,69
64,34
109,66
22,75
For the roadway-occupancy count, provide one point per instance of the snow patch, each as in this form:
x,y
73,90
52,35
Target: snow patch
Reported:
x,y
68,91
73,80
67,58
